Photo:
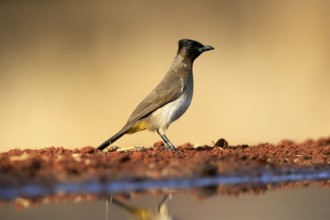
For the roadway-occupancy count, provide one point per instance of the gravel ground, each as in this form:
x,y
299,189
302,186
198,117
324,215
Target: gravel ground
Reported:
x,y
58,164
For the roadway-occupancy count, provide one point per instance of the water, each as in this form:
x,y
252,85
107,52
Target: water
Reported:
x,y
194,199
299,203
96,187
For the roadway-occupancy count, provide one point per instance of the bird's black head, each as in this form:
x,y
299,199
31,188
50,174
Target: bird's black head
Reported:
x,y
192,49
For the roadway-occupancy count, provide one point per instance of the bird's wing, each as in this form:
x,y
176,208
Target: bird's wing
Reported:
x,y
160,96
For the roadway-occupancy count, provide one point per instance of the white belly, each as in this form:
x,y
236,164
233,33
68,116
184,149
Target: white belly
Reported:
x,y
164,116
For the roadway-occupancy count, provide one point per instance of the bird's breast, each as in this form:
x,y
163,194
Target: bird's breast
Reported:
x,y
164,116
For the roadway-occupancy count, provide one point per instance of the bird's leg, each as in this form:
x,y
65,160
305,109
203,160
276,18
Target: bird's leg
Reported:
x,y
162,207
166,140
165,200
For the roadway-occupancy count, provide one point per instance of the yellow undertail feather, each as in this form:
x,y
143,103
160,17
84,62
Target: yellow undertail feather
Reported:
x,y
138,126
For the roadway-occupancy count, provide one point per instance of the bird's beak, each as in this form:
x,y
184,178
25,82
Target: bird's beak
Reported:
x,y
206,48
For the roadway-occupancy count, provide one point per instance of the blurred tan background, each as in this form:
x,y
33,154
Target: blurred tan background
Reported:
x,y
71,72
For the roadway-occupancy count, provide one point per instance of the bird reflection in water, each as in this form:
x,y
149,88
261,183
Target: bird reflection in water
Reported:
x,y
159,212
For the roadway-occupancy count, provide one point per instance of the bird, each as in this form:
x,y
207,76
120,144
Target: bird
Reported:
x,y
152,213
169,99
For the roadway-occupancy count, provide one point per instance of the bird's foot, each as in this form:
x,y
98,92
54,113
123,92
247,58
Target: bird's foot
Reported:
x,y
169,146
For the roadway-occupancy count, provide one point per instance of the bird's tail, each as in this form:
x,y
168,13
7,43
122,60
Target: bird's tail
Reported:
x,y
129,128
112,139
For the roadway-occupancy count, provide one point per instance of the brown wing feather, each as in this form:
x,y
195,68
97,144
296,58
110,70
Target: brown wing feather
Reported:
x,y
167,90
